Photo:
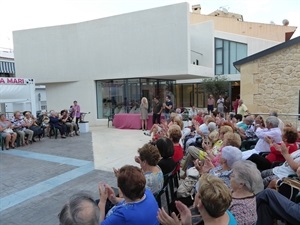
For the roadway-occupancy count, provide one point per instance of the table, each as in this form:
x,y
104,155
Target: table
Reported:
x,y
131,121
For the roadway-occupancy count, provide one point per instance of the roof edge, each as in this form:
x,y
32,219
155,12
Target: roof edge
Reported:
x,y
265,52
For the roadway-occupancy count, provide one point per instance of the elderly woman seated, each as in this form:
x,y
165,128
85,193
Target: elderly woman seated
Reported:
x,y
166,151
30,123
212,202
291,164
6,132
175,134
148,159
194,153
229,156
245,182
19,126
138,205
289,137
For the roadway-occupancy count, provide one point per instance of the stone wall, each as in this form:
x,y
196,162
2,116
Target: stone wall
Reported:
x,y
272,83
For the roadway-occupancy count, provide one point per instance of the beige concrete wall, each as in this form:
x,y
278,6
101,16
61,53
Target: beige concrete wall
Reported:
x,y
273,83
258,30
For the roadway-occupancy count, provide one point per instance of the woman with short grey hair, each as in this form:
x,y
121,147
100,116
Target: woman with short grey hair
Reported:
x,y
229,156
272,120
245,182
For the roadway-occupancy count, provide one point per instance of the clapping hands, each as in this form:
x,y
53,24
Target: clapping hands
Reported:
x,y
282,148
106,192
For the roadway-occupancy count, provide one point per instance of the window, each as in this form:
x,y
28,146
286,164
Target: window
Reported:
x,y
226,53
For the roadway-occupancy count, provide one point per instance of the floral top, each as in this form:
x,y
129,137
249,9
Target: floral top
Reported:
x,y
223,174
154,181
244,210
18,122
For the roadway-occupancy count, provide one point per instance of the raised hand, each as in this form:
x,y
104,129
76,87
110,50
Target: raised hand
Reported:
x,y
103,192
165,219
116,172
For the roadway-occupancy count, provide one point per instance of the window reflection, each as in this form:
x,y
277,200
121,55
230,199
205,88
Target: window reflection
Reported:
x,y
124,95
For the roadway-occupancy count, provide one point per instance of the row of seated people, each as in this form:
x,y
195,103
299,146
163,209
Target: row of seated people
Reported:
x,y
21,128
63,122
270,139
241,200
230,189
24,128
138,187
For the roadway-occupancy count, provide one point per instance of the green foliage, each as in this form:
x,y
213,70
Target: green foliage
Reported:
x,y
215,86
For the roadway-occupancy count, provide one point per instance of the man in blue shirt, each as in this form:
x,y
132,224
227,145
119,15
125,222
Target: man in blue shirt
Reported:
x,y
168,105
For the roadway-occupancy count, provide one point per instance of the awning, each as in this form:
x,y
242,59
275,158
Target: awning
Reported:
x,y
7,67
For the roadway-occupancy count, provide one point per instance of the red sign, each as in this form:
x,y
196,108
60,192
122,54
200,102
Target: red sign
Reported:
x,y
12,80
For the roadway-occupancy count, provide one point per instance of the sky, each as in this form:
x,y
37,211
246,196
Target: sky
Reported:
x,y
26,14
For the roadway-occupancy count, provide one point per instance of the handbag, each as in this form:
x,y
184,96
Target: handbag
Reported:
x,y
8,130
289,187
187,188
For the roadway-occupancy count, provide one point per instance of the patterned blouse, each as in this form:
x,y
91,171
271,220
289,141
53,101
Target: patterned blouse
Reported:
x,y
244,210
154,181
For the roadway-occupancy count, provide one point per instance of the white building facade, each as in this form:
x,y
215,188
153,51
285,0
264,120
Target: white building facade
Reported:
x,y
108,64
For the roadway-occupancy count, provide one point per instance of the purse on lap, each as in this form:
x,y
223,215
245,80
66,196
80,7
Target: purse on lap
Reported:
x,y
289,187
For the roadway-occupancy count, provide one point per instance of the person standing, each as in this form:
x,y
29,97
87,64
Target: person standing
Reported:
x,y
157,109
144,113
76,112
236,104
210,104
227,104
168,105
220,104
242,108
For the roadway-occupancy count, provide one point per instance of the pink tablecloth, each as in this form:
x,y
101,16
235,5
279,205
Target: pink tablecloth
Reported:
x,y
130,121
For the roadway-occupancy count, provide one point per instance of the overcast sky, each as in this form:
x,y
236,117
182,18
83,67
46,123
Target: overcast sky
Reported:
x,y
26,14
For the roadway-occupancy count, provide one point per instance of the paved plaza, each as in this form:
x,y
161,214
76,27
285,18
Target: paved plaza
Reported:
x,y
36,180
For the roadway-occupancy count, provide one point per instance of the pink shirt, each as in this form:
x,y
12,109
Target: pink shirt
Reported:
x,y
211,101
76,108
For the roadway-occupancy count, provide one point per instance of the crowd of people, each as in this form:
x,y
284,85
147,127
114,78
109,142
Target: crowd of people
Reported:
x,y
23,128
235,159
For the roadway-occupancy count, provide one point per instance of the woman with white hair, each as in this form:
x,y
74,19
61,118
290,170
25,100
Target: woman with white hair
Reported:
x,y
229,156
245,182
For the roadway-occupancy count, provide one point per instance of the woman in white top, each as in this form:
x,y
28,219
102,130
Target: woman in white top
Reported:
x,y
220,104
6,132
144,113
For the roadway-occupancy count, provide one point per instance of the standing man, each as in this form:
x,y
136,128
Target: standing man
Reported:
x,y
242,108
76,112
157,109
210,104
168,105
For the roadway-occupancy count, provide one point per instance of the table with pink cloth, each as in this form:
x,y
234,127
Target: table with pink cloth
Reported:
x,y
130,121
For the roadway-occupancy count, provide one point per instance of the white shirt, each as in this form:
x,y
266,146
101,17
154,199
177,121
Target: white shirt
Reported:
x,y
262,145
193,113
284,170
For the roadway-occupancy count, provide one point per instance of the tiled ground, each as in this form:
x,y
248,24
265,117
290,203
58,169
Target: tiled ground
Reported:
x,y
36,180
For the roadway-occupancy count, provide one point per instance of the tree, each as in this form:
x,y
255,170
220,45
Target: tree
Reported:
x,y
215,86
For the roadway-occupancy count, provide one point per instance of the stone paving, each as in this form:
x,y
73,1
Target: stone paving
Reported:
x,y
37,180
